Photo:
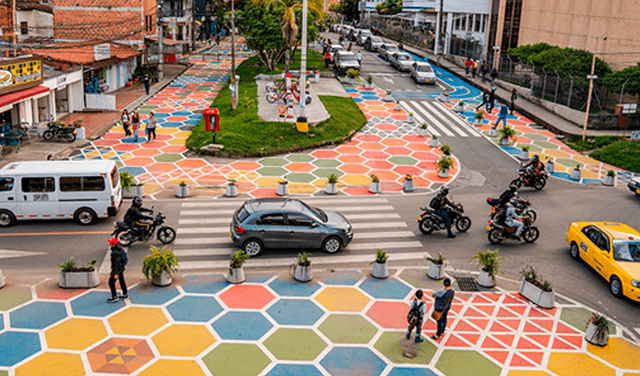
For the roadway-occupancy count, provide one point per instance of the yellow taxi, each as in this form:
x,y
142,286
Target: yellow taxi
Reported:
x,y
613,250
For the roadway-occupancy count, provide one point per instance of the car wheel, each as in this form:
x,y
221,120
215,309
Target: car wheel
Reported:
x,y
85,216
331,245
253,247
574,251
615,286
6,218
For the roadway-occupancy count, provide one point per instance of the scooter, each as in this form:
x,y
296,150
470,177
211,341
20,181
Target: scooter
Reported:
x,y
499,231
127,235
56,130
429,221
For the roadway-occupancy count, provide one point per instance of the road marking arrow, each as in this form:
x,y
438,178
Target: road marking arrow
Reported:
x,y
5,253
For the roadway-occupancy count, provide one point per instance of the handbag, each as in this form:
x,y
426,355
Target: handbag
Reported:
x,y
437,315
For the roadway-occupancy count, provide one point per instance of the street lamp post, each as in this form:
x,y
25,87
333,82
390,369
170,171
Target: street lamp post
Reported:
x,y
302,122
590,77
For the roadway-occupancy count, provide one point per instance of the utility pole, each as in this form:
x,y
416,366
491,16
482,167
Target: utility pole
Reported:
x,y
591,77
302,123
440,28
15,28
233,55
160,29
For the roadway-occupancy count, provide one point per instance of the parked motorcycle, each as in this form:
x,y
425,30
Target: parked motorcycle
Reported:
x,y
429,221
499,231
522,205
127,235
60,131
528,178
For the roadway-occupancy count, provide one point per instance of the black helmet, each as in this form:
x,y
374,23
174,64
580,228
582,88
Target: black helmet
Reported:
x,y
137,201
536,157
444,190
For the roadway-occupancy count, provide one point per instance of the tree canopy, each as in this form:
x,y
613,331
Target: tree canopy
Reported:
x,y
389,7
348,8
616,79
564,60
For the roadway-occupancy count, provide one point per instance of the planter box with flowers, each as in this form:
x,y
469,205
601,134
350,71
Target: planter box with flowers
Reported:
x,y
368,83
231,190
236,271
283,187
479,117
407,185
524,152
610,179
397,106
303,272
598,328
375,187
159,266
489,262
183,190
380,268
352,76
80,134
332,185
536,289
76,277
445,162
423,130
493,132
436,268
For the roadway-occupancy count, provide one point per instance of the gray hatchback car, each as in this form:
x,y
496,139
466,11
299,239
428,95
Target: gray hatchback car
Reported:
x,y
288,223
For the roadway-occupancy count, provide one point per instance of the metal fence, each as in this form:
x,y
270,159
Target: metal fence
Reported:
x,y
401,29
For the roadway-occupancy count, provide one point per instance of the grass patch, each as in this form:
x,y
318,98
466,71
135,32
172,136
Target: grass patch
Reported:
x,y
622,153
244,132
590,143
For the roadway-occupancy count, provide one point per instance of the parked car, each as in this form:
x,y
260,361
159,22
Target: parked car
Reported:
x,y
346,60
288,223
362,36
634,185
353,34
345,30
402,61
333,49
423,73
372,43
612,250
386,49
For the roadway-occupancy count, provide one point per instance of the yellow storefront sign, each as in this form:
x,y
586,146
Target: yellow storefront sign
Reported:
x,y
20,74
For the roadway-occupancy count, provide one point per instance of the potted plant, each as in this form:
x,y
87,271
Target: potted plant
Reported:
x,y
236,272
436,268
388,97
550,167
459,107
444,164
407,185
397,106
446,150
183,190
374,187
434,141
380,268
524,152
332,185
126,182
444,97
79,129
160,265
231,190
138,188
489,261
493,132
368,83
74,277
536,289
576,174
303,268
598,328
610,179
423,130
410,119
479,116
505,133
283,187
352,75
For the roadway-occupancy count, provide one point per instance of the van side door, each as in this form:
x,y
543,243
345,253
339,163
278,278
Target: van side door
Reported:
x,y
9,195
39,197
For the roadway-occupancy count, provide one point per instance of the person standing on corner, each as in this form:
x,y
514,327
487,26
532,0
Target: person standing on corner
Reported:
x,y
441,307
147,83
467,66
512,101
151,127
417,310
135,125
118,262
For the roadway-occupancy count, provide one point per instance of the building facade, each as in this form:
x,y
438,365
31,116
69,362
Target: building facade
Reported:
x,y
33,20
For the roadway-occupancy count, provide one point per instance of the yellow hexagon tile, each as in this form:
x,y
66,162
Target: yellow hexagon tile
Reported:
x,y
109,155
167,367
252,175
233,175
528,373
181,134
356,179
126,156
53,364
267,182
118,128
585,160
301,188
151,188
75,334
137,321
619,352
577,364
589,175
91,154
176,141
199,339
557,153
177,181
167,130
342,299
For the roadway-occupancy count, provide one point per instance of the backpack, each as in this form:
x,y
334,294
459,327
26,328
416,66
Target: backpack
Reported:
x,y
436,202
125,258
415,314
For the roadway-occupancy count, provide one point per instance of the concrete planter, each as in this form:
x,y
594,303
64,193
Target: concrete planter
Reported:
x,y
375,187
2,279
576,174
397,107
303,273
458,108
493,132
408,185
485,280
283,189
183,191
443,98
504,142
231,190
424,132
331,189
380,270
444,174
434,142
524,155
134,190
162,280
80,135
436,271
350,81
609,181
536,295
237,276
410,119
596,336
368,85
550,167
477,122
78,280
387,98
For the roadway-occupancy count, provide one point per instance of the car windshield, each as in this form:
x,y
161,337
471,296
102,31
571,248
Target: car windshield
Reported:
x,y
425,68
242,214
365,33
348,58
376,40
392,48
404,57
626,251
315,212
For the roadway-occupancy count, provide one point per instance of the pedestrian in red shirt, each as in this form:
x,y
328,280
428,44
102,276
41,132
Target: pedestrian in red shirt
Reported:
x,y
467,65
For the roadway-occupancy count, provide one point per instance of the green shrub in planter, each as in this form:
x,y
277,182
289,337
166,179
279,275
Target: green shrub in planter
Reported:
x,y
238,258
611,173
444,163
525,147
352,73
126,180
381,257
332,179
506,133
446,149
374,178
479,115
370,80
160,260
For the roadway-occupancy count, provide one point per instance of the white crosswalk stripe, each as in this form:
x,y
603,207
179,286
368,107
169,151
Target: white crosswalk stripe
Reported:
x,y
204,241
441,119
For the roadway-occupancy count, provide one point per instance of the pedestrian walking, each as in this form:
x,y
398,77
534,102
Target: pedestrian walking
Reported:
x,y
151,127
467,66
485,99
125,122
493,75
474,69
325,47
512,101
350,46
484,69
218,39
135,125
147,83
492,100
416,315
119,260
359,59
441,307
502,116
327,59
400,47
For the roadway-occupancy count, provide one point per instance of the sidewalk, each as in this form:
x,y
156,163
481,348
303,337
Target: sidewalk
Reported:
x,y
342,323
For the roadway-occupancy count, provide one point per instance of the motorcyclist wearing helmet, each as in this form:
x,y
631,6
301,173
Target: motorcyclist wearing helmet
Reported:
x,y
134,217
512,215
505,197
536,167
441,209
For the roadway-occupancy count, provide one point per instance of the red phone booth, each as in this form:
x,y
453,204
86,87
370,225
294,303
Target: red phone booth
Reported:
x,y
211,120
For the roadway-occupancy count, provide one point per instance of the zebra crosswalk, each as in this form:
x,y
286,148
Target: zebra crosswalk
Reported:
x,y
441,120
203,240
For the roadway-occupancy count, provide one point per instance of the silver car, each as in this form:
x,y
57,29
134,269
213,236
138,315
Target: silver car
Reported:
x,y
345,60
386,49
402,61
372,43
362,36
422,72
288,223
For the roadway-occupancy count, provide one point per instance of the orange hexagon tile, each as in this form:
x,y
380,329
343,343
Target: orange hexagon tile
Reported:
x,y
245,166
75,334
246,297
137,321
199,339
120,356
300,167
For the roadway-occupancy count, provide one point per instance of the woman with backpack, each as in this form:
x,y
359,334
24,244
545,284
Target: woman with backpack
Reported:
x,y
441,307
417,311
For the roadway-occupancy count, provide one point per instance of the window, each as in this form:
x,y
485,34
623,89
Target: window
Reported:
x,y
271,220
115,177
299,220
38,185
70,184
81,183
24,28
6,184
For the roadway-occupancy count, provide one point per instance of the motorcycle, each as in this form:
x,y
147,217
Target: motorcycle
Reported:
x,y
127,235
429,220
522,205
60,131
538,181
499,231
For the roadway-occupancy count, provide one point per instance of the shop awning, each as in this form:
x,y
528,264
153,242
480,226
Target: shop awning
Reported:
x,y
20,95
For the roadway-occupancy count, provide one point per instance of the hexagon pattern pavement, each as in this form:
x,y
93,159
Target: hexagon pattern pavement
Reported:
x,y
119,356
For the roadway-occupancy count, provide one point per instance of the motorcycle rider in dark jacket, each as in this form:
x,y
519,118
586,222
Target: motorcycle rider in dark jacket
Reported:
x,y
536,167
135,219
505,197
441,209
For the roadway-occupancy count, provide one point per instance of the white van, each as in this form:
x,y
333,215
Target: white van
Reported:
x,y
82,190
